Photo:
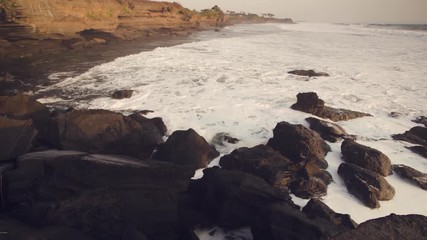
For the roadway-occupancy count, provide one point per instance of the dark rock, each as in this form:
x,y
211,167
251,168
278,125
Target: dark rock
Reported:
x,y
416,135
317,209
106,197
263,162
298,143
16,230
121,94
101,131
412,175
421,150
309,73
221,138
393,227
309,102
421,120
148,123
309,188
23,107
16,137
187,148
366,157
368,186
275,222
395,114
232,198
329,131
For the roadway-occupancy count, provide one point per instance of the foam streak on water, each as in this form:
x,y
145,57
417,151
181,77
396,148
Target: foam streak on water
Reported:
x,y
238,83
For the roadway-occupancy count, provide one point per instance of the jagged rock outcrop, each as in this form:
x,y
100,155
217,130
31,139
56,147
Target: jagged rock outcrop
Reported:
x,y
329,131
416,135
309,73
309,102
102,131
365,157
368,186
390,227
187,148
232,198
104,197
16,137
412,175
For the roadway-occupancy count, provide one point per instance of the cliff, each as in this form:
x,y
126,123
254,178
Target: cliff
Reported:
x,y
126,19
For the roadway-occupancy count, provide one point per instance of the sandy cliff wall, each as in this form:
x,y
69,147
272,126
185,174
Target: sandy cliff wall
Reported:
x,y
126,19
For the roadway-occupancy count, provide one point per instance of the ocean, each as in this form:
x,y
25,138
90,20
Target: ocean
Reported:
x,y
236,81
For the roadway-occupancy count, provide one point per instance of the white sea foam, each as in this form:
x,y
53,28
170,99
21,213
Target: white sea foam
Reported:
x,y
238,83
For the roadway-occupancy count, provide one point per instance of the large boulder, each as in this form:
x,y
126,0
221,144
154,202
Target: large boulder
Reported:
x,y
187,148
263,162
298,143
232,198
24,107
16,137
316,209
102,131
309,73
412,175
329,131
309,102
366,157
106,197
368,186
416,135
393,227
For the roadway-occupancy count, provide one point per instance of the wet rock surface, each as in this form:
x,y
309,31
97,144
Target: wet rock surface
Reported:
x,y
329,131
309,102
416,135
389,227
187,148
365,157
121,94
412,175
309,73
368,186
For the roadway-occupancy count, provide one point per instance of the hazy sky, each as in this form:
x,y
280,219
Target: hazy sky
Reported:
x,y
348,11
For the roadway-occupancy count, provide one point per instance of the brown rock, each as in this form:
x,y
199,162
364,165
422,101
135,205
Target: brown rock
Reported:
x,y
309,102
148,123
329,131
416,135
16,137
121,94
298,143
101,131
365,157
187,148
264,162
393,227
368,186
412,175
309,73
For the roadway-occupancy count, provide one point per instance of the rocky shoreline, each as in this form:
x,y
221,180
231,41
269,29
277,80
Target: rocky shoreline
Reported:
x,y
97,174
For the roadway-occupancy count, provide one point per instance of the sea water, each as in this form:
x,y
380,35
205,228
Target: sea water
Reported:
x,y
236,81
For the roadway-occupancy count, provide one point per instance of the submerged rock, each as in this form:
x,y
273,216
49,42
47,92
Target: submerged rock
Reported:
x,y
222,138
421,120
16,137
187,148
390,227
309,73
121,94
412,175
309,102
366,157
368,186
421,150
329,131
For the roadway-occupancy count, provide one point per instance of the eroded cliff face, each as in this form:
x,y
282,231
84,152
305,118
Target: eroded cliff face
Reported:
x,y
126,19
